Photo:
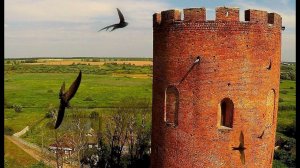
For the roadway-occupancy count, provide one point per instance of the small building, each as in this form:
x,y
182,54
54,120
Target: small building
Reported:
x,y
92,139
65,146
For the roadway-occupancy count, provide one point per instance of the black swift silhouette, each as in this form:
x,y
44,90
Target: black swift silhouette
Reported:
x,y
65,97
241,148
121,24
262,134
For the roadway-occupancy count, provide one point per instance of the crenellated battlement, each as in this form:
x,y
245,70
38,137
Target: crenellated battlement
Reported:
x,y
223,14
194,14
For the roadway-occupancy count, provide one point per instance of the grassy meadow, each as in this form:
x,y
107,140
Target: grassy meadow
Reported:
x,y
16,157
35,87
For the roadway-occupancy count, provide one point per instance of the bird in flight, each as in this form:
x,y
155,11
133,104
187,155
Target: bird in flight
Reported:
x,y
262,134
241,148
121,24
65,97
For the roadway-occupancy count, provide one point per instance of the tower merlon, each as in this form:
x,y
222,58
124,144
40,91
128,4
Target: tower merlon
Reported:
x,y
274,18
227,14
256,16
170,16
156,18
194,14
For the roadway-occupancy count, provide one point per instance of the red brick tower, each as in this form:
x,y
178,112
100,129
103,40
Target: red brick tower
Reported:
x,y
201,110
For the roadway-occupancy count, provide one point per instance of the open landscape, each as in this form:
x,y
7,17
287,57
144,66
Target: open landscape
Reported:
x,y
109,86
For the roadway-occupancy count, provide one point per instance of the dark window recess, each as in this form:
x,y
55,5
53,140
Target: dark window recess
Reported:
x,y
227,113
171,106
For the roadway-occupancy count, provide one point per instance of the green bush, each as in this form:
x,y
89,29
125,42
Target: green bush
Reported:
x,y
88,99
94,114
278,164
18,108
284,91
30,61
285,157
50,91
280,99
286,107
8,130
40,164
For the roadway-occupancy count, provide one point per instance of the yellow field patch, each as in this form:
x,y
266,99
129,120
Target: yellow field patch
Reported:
x,y
143,76
79,61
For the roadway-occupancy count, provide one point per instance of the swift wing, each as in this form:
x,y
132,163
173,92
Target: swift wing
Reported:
x,y
120,15
73,88
60,116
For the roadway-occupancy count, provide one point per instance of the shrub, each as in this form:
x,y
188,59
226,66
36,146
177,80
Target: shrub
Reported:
x,y
290,130
30,61
17,108
40,164
94,114
285,157
280,99
286,107
50,91
292,87
8,130
7,104
284,91
88,99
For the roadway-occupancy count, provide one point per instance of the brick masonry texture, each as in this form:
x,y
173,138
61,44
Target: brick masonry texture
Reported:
x,y
239,60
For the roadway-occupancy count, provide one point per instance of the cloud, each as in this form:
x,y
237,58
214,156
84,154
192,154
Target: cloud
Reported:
x,y
288,15
69,27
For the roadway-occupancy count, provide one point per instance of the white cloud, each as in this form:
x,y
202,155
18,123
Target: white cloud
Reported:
x,y
288,15
69,27
74,10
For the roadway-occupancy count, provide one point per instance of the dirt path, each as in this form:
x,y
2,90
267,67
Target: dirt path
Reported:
x,y
34,153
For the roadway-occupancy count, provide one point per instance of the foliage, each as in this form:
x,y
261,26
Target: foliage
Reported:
x,y
287,150
126,128
288,129
106,69
17,108
30,60
88,99
286,107
278,164
40,164
94,115
8,130
288,72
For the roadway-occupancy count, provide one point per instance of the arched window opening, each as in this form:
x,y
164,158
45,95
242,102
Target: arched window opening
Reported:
x,y
171,106
226,112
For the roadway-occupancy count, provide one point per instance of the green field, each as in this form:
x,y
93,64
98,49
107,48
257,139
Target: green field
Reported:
x,y
35,88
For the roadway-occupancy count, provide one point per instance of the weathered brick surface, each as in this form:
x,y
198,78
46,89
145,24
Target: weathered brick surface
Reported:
x,y
235,56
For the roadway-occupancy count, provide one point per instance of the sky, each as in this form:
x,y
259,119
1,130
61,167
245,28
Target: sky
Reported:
x,y
69,28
